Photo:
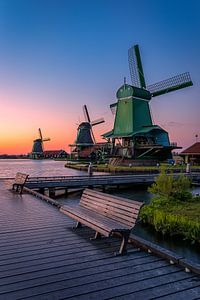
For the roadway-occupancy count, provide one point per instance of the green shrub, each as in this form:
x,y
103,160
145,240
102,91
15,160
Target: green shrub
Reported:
x,y
173,210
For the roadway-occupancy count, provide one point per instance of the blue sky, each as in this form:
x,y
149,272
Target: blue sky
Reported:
x,y
58,55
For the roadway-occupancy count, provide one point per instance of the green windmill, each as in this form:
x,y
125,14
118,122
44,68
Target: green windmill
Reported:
x,y
134,135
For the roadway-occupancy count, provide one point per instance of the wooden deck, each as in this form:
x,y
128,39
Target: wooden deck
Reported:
x,y
41,257
97,180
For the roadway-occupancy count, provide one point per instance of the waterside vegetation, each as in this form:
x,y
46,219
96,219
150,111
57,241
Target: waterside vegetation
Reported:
x,y
83,166
173,210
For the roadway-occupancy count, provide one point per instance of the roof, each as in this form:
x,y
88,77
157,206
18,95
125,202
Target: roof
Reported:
x,y
194,149
143,130
53,152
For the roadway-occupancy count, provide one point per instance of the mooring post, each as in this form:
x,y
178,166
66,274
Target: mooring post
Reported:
x,y
52,192
66,192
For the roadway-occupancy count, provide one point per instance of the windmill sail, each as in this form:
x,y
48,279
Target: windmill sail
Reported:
x,y
169,85
97,122
86,114
135,67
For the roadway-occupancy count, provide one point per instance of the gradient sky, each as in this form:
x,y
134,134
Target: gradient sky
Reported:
x,y
56,56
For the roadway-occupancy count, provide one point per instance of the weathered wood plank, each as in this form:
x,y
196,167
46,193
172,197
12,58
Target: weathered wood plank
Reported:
x,y
72,269
105,288
123,285
115,199
188,292
84,276
167,290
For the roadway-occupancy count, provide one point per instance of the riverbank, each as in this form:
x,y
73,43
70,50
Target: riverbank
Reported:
x,y
130,169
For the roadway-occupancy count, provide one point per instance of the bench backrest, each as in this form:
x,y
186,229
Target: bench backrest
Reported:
x,y
20,178
123,210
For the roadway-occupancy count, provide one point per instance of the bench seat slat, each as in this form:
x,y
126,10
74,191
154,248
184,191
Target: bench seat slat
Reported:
x,y
112,198
112,214
94,218
102,201
126,212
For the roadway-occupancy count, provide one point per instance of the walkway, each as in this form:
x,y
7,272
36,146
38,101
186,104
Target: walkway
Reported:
x,y
41,257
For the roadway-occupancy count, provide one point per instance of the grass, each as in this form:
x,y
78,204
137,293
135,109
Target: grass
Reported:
x,y
113,169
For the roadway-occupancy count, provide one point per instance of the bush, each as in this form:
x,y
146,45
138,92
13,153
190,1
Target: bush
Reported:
x,y
173,210
168,188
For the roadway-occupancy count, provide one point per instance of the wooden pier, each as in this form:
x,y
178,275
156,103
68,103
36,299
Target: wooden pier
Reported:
x,y
70,182
41,257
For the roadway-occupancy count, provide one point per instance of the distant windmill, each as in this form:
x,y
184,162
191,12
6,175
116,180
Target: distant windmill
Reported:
x,y
85,135
38,147
133,121
85,141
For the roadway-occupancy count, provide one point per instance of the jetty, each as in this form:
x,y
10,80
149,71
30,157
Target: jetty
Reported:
x,y
42,257
70,182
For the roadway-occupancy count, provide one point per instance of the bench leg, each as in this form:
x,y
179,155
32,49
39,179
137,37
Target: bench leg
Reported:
x,y
122,249
97,236
78,225
21,189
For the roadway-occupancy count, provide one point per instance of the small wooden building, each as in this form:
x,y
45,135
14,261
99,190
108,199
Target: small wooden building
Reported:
x,y
55,154
192,154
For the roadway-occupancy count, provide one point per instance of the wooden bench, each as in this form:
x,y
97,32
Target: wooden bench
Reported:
x,y
19,182
108,215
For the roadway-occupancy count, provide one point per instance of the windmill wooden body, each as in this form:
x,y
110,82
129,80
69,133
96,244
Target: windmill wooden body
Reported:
x,y
134,135
38,146
85,142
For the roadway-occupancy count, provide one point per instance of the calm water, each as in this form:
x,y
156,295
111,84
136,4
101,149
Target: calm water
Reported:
x,y
8,169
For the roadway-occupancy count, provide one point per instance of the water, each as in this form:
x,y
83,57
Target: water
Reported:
x,y
9,168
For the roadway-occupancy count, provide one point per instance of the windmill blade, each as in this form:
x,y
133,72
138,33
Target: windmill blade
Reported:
x,y
40,133
92,133
113,108
135,67
98,121
46,139
86,114
169,85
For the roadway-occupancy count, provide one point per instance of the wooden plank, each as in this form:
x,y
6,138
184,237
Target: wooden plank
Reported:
x,y
93,217
74,268
120,286
115,199
112,213
45,285
188,292
20,178
97,226
168,289
106,204
105,288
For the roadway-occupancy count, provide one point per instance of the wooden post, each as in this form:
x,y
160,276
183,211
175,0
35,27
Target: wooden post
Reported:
x,y
66,192
41,191
52,192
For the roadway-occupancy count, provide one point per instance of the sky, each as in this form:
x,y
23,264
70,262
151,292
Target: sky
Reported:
x,y
57,55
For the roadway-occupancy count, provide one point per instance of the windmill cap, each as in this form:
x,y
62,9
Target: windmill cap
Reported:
x,y
126,91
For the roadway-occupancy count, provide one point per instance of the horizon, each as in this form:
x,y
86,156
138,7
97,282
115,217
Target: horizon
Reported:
x,y
57,56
